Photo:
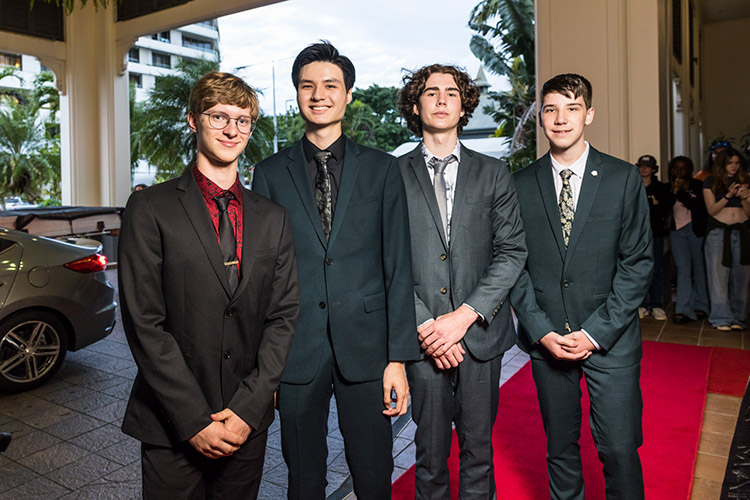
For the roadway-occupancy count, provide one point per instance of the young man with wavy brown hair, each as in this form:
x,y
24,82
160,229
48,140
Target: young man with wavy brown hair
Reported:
x,y
467,251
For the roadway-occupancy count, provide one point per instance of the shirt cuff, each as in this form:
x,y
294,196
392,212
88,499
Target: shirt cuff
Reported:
x,y
481,317
596,344
425,322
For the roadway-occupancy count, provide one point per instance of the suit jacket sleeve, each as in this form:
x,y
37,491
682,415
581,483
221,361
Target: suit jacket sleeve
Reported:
x,y
402,340
508,249
634,268
536,323
255,393
159,359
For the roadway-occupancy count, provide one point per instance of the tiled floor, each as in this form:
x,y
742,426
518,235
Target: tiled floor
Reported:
x,y
67,442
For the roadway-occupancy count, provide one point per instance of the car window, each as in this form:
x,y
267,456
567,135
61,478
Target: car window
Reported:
x,y
6,244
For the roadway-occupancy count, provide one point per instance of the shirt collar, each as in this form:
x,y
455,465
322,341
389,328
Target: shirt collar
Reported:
x,y
337,149
210,190
428,155
578,167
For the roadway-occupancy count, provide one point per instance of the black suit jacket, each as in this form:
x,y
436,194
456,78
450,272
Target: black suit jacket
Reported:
x,y
599,281
359,283
198,348
486,253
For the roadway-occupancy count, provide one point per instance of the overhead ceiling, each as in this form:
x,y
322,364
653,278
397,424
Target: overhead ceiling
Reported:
x,y
714,11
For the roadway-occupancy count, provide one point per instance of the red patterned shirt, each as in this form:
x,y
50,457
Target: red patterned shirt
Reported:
x,y
210,190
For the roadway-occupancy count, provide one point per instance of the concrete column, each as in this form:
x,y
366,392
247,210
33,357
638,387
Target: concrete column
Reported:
x,y
96,140
613,43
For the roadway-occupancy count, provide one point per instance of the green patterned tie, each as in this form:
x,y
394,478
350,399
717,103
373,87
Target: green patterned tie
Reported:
x,y
323,191
567,209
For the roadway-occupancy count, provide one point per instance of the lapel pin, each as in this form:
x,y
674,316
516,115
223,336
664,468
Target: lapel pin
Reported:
x,y
594,173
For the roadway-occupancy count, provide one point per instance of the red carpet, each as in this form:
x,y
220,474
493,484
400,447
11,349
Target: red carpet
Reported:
x,y
730,369
673,381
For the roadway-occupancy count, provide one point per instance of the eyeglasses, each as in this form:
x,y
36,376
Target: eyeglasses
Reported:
x,y
219,121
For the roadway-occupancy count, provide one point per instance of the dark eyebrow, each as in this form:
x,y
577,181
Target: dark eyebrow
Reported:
x,y
437,89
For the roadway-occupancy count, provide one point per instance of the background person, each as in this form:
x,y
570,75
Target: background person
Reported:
x,y
688,224
727,247
659,207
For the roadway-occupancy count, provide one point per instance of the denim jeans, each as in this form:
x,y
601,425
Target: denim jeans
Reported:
x,y
728,287
691,275
654,297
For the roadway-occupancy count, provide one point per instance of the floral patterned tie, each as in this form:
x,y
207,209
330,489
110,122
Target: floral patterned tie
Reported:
x,y
323,193
567,209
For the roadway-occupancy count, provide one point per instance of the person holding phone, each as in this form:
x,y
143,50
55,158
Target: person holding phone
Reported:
x,y
727,247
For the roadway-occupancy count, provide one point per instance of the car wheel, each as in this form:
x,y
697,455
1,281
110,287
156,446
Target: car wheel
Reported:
x,y
32,348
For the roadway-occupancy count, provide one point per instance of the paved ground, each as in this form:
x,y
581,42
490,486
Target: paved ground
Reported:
x,y
67,441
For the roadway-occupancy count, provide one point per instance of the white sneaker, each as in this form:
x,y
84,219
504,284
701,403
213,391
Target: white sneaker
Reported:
x,y
659,313
643,312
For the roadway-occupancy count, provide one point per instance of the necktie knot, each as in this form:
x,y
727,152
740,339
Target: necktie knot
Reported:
x,y
566,174
222,202
439,165
322,157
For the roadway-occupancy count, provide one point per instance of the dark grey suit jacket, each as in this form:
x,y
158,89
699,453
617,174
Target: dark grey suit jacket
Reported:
x,y
598,282
200,349
358,282
486,252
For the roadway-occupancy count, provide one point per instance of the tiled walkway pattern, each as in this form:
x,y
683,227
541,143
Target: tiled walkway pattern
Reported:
x,y
67,441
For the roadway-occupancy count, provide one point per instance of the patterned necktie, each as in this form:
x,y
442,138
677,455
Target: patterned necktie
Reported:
x,y
567,209
323,193
438,183
227,242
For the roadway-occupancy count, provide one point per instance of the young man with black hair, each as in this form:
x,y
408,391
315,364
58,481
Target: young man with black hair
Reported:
x,y
356,324
467,252
588,269
209,297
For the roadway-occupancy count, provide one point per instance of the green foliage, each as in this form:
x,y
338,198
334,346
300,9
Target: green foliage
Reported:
x,y
159,133
70,5
505,45
30,139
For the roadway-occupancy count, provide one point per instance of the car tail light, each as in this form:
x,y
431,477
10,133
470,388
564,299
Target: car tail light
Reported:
x,y
90,264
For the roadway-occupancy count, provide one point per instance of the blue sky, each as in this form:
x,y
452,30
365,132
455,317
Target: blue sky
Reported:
x,y
381,38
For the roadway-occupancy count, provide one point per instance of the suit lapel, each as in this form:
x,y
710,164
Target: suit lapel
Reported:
x,y
416,163
465,178
349,174
589,187
250,215
194,204
298,170
549,199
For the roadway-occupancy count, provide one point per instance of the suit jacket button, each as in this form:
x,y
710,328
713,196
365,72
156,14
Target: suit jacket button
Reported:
x,y
443,256
566,284
329,262
443,290
230,311
227,355
322,305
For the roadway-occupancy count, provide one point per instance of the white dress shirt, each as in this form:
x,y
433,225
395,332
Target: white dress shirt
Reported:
x,y
450,174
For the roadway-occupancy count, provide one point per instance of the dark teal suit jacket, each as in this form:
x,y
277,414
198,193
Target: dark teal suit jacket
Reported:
x,y
360,281
596,283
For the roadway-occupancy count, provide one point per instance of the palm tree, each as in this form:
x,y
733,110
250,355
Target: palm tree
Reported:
x,y
505,45
159,133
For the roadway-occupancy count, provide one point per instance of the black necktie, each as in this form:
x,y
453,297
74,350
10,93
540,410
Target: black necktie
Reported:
x,y
323,193
227,242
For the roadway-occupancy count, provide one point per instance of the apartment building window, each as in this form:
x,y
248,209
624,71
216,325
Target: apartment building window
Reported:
x,y
10,60
211,23
137,80
134,55
162,37
161,60
196,43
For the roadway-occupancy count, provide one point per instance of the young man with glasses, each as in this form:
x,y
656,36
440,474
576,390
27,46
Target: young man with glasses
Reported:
x,y
209,296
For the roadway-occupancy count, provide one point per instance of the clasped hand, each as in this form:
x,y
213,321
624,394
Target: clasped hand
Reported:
x,y
575,346
223,436
440,338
